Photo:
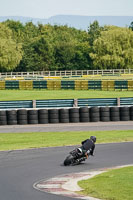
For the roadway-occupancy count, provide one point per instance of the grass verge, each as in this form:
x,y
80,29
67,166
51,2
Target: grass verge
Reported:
x,y
12,141
115,184
11,95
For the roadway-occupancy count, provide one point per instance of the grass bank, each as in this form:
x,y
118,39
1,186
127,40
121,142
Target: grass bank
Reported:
x,y
9,95
12,141
112,185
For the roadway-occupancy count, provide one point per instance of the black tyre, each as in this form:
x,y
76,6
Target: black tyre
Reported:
x,y
95,119
43,112
32,117
74,120
11,112
64,116
94,109
53,116
74,115
53,111
104,109
43,116
105,114
115,118
11,117
64,111
33,121
53,120
105,119
125,118
114,109
3,118
12,122
22,122
114,114
3,123
124,109
64,120
43,121
93,115
73,110
84,114
22,112
2,113
84,119
32,112
84,110
22,117
69,160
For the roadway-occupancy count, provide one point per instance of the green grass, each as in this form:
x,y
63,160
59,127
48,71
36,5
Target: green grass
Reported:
x,y
112,185
8,95
12,141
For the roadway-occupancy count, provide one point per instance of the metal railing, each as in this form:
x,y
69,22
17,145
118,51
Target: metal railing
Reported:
x,y
39,74
63,103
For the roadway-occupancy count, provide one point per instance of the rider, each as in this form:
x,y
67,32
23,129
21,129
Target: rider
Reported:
x,y
88,146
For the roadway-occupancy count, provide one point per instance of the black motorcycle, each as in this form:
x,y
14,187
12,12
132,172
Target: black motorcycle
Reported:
x,y
75,157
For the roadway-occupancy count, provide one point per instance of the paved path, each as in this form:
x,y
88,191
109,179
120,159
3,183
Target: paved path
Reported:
x,y
19,170
91,126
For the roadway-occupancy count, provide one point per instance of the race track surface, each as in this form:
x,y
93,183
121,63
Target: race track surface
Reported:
x,y
90,126
19,170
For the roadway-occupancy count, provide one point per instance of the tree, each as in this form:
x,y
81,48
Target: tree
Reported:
x,y
131,26
10,50
38,55
113,49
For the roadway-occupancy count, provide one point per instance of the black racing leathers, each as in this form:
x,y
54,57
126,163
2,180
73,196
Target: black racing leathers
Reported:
x,y
88,145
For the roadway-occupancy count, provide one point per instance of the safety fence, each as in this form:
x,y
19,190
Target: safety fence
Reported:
x,y
66,103
66,73
105,85
71,115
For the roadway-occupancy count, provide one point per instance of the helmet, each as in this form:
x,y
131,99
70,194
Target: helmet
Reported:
x,y
93,138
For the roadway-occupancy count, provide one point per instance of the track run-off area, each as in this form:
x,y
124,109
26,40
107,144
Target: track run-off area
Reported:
x,y
20,169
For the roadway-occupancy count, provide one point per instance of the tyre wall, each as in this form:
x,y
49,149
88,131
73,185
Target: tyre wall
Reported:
x,y
65,115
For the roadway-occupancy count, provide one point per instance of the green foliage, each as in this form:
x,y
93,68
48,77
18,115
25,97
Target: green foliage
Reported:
x,y
10,50
39,47
113,49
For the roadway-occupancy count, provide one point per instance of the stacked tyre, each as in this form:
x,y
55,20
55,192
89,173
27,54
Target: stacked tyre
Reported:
x,y
43,116
53,116
104,114
114,114
124,114
11,117
22,117
74,115
131,113
84,114
3,118
32,116
64,116
94,114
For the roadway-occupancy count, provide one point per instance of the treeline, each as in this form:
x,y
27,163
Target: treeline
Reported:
x,y
40,47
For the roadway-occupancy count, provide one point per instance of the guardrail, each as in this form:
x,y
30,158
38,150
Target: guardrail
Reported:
x,y
63,103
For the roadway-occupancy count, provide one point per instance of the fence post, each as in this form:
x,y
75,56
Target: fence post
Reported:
x,y
75,103
34,103
118,102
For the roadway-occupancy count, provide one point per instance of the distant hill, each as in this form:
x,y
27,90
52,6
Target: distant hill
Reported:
x,y
77,21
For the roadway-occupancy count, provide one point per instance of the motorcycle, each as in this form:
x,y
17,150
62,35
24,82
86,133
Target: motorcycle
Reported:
x,y
75,157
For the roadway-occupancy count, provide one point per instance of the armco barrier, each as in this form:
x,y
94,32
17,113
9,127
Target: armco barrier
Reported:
x,y
73,115
63,103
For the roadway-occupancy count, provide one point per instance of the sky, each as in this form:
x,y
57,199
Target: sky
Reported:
x,y
48,8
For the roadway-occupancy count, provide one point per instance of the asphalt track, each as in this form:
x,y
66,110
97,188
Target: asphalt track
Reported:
x,y
93,126
19,170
